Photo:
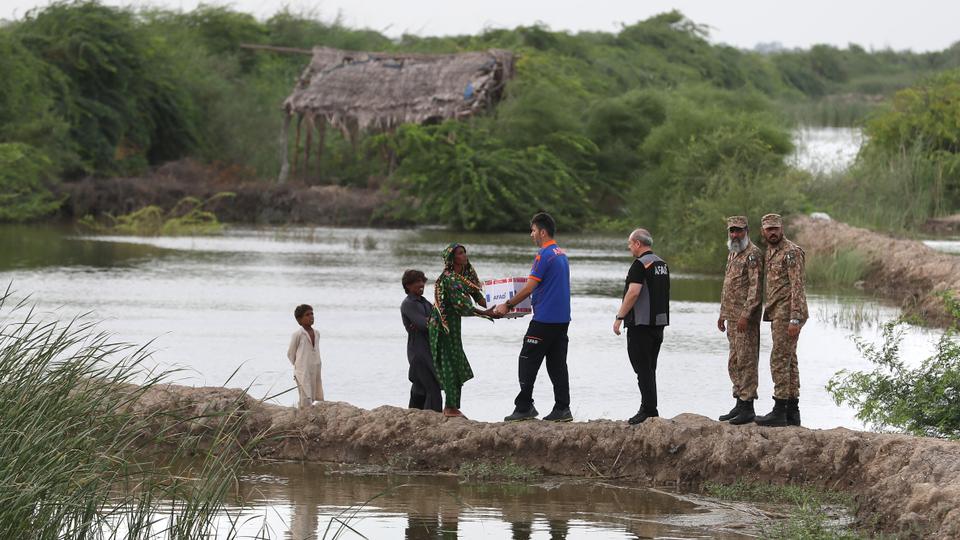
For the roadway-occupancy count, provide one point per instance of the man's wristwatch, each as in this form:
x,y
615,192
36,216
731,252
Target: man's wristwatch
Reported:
x,y
619,318
794,321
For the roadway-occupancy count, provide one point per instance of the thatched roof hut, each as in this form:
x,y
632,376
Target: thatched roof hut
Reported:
x,y
356,91
359,90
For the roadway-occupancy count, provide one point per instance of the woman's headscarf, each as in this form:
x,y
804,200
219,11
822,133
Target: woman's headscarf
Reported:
x,y
467,277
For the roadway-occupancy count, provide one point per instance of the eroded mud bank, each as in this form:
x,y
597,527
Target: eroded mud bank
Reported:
x,y
902,483
907,271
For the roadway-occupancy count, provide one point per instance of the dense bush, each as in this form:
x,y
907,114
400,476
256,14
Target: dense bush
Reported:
x,y
920,400
25,175
460,175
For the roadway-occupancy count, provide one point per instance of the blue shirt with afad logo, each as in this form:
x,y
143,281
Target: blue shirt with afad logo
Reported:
x,y
551,298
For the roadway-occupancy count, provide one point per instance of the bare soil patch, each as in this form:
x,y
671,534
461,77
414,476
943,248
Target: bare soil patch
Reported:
x,y
902,484
907,271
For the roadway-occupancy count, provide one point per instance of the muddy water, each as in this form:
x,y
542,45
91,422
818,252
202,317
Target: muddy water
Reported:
x,y
295,500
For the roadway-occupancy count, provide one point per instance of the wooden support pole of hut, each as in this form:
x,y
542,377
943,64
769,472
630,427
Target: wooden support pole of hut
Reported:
x,y
284,151
296,146
321,123
308,146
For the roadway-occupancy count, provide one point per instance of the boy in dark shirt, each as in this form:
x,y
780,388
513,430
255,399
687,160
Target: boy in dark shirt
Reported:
x,y
415,312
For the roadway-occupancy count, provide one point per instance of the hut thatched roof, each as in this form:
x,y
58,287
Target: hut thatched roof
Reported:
x,y
359,90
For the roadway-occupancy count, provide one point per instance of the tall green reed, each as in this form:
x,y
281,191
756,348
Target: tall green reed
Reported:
x,y
79,458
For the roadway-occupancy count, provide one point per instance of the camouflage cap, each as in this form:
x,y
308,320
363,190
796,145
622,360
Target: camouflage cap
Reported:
x,y
737,221
771,220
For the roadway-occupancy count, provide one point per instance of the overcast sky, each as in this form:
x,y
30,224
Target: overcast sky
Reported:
x,y
920,25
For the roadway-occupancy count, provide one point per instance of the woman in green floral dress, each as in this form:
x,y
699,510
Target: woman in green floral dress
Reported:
x,y
452,300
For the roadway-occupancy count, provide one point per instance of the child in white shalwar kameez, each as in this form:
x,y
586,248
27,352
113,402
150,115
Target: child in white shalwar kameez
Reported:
x,y
304,354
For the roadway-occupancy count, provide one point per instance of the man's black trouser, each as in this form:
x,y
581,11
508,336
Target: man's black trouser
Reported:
x,y
550,341
643,348
424,389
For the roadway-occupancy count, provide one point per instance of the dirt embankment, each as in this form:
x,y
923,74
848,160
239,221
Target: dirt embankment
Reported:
x,y
256,202
907,271
902,484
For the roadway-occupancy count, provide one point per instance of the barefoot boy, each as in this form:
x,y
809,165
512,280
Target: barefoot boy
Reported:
x,y
305,357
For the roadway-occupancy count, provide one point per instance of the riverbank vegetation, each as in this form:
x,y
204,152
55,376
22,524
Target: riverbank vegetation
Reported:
x,y
814,514
77,462
652,124
897,393
187,217
909,168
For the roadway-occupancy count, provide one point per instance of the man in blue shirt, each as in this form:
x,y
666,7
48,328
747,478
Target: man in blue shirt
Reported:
x,y
549,283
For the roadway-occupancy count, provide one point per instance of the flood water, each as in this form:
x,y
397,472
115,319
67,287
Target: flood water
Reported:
x,y
295,500
216,305
224,304
825,149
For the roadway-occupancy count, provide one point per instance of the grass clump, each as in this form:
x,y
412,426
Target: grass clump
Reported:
x,y
481,470
853,316
187,217
840,268
813,515
73,447
743,490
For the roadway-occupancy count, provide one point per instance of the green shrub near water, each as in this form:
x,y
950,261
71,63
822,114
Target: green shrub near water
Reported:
x,y
462,176
919,400
77,463
187,217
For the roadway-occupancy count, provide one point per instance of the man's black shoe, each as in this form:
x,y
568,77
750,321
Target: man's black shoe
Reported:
x,y
559,415
746,415
641,416
518,415
733,412
793,412
777,417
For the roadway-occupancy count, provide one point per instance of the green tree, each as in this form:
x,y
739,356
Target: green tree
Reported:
x,y
25,174
124,106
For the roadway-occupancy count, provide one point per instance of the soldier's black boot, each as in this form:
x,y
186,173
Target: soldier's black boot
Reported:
x,y
733,412
793,412
777,417
746,414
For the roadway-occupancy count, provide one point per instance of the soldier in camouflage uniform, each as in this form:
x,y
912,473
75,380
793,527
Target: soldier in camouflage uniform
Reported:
x,y
740,317
787,311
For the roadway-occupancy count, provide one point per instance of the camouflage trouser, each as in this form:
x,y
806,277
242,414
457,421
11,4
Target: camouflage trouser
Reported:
x,y
783,362
743,359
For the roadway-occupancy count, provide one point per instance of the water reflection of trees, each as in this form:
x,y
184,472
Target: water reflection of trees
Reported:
x,y
436,507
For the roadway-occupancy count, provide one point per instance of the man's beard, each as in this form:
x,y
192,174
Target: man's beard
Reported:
x,y
736,246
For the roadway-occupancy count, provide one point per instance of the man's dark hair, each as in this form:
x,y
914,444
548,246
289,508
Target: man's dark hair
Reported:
x,y
546,222
410,277
300,310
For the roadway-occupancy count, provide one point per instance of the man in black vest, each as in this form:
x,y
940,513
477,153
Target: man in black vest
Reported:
x,y
645,310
